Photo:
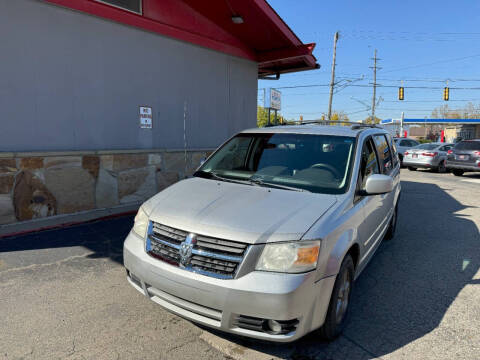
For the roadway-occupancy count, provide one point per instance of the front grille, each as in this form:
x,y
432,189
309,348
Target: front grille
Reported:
x,y
261,325
209,256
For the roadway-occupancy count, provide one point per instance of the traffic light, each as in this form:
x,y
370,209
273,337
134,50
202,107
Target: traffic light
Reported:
x,y
400,93
446,93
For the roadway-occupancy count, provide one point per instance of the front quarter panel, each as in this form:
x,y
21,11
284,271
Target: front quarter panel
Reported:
x,y
338,233
340,248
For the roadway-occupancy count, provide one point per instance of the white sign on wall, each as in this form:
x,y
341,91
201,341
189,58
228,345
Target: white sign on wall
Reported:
x,y
146,117
273,99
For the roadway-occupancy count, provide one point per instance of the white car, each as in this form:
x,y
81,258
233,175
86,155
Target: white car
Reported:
x,y
268,237
403,144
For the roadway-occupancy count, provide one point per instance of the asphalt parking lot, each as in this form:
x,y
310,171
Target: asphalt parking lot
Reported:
x,y
64,295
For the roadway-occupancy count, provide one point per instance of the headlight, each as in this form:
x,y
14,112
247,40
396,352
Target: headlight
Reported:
x,y
141,223
291,257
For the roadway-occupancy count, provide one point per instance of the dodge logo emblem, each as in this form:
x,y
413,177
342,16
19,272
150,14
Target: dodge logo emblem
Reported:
x,y
186,249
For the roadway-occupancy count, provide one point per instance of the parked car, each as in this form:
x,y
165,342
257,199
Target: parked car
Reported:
x,y
403,144
430,156
465,156
268,236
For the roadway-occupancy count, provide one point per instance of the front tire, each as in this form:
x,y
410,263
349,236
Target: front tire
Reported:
x,y
337,313
457,172
441,168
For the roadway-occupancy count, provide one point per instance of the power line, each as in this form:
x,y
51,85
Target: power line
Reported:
x,y
300,86
406,36
415,33
378,85
434,63
425,101
416,39
432,80
356,75
356,112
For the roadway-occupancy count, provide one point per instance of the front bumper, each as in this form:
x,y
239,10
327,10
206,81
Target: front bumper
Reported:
x,y
462,166
218,303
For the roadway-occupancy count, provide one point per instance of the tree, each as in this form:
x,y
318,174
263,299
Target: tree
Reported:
x,y
336,116
262,117
368,120
469,111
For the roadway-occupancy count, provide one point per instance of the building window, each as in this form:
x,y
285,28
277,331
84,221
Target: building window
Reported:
x,y
130,5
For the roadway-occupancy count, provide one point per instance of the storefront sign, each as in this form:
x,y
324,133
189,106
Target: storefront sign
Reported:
x,y
273,99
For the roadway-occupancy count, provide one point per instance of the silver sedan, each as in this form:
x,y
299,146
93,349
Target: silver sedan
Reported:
x,y
430,156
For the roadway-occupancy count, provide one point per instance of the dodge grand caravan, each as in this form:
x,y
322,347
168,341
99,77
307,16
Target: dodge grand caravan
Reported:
x,y
268,236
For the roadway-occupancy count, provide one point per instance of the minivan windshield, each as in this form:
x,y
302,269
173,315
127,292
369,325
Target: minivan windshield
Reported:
x,y
302,162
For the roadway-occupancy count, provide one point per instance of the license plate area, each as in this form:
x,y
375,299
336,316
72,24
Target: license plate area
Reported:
x,y
414,156
462,157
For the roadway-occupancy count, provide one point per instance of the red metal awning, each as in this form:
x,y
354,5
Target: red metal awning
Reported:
x,y
262,35
277,48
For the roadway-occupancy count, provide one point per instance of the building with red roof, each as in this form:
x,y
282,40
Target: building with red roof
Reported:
x,y
106,102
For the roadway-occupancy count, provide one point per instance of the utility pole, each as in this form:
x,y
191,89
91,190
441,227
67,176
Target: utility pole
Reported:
x,y
332,82
401,124
374,98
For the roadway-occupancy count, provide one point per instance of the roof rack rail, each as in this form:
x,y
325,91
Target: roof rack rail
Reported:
x,y
354,125
362,125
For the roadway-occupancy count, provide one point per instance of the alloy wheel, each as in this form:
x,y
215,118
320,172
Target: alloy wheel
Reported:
x,y
343,297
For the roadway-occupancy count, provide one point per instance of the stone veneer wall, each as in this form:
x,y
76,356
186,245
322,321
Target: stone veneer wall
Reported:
x,y
39,185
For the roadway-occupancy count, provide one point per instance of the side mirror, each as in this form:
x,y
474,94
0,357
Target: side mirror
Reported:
x,y
378,184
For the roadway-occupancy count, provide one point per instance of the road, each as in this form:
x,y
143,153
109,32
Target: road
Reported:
x,y
63,293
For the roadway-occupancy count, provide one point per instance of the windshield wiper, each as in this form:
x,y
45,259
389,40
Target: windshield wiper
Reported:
x,y
254,181
261,182
212,175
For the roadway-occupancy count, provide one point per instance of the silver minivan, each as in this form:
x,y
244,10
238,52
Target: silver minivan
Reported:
x,y
268,236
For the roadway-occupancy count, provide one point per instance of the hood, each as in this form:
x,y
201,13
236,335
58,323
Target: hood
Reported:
x,y
250,214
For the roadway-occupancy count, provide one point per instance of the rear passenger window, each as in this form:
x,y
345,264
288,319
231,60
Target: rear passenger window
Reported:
x,y
393,148
384,153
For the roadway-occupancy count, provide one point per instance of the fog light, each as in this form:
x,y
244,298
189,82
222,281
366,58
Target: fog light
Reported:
x,y
274,326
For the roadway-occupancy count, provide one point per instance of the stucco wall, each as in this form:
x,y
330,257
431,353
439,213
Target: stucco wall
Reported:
x,y
70,81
